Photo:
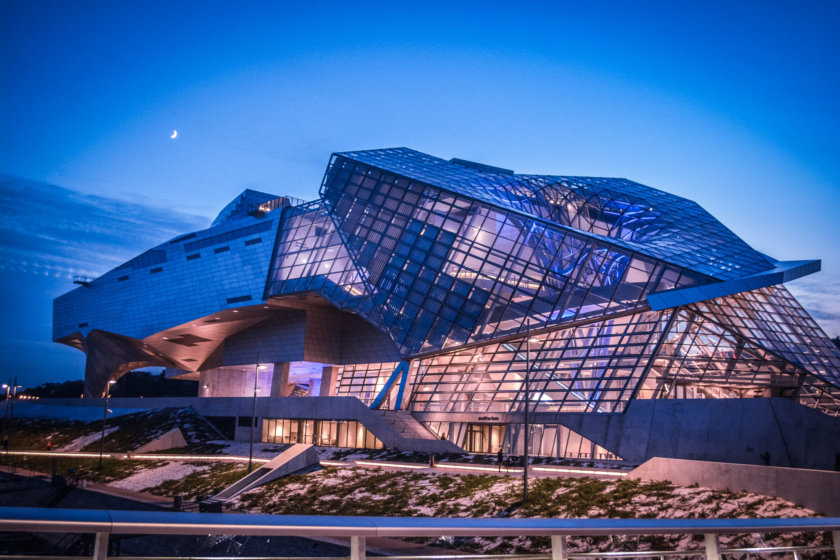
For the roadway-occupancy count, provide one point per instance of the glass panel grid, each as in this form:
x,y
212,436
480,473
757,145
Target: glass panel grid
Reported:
x,y
449,270
592,368
364,381
635,216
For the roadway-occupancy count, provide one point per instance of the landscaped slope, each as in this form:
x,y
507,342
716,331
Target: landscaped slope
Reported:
x,y
377,492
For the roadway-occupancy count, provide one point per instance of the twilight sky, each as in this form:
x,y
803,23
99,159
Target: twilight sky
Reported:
x,y
731,104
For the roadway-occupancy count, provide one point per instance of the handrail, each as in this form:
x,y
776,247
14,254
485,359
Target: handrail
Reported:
x,y
105,522
183,523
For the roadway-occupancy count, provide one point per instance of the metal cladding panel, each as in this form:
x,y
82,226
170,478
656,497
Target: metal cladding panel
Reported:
x,y
240,206
189,277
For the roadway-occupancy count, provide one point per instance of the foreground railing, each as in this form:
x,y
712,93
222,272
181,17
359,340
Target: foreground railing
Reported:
x,y
102,523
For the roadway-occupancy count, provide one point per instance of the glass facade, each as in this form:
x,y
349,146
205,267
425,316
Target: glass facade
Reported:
x,y
364,381
326,433
591,368
547,440
659,224
437,270
482,279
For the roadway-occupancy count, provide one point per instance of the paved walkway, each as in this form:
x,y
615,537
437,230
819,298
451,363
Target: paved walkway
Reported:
x,y
536,471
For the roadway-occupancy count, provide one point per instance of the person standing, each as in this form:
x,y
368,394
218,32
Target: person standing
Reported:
x,y
500,458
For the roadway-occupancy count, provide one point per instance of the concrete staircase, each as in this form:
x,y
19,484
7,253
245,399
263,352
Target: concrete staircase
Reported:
x,y
406,424
412,433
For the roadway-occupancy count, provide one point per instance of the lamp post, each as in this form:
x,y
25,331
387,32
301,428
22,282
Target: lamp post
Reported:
x,y
104,419
6,406
527,406
15,387
527,442
254,415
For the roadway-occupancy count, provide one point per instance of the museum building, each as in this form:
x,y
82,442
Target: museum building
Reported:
x,y
441,298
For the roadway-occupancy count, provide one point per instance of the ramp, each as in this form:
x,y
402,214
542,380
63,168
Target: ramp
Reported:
x,y
298,457
171,439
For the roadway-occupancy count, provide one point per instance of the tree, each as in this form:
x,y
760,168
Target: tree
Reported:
x,y
133,384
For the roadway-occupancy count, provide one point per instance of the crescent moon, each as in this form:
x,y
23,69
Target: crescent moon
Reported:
x,y
174,134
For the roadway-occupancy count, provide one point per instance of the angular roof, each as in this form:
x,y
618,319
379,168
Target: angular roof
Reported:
x,y
628,214
240,206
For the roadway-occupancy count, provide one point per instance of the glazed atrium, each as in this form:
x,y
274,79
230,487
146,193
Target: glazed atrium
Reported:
x,y
458,294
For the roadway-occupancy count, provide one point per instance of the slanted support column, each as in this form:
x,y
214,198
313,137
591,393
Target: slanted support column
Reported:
x,y
400,372
559,548
280,380
357,548
329,377
100,546
712,547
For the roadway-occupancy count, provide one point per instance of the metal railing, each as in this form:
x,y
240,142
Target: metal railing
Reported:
x,y
102,523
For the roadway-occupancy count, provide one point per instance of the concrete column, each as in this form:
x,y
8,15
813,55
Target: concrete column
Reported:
x,y
559,547
357,548
280,380
204,381
100,546
835,535
712,547
329,378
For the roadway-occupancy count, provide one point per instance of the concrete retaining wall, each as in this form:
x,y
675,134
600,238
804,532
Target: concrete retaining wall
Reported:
x,y
315,408
816,490
726,430
745,431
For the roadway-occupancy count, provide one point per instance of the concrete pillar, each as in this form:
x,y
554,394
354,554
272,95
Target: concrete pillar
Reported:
x,y
329,379
357,548
280,380
559,547
712,547
204,384
314,386
100,546
836,536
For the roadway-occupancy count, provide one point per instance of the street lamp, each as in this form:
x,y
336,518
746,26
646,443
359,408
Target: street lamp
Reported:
x,y
5,407
257,369
526,445
15,387
104,418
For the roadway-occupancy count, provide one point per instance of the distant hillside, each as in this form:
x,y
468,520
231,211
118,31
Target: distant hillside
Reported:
x,y
134,384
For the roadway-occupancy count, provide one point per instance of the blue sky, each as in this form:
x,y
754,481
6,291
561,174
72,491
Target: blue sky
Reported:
x,y
730,104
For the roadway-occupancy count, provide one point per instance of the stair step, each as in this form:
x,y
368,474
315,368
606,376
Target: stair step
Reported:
x,y
406,425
